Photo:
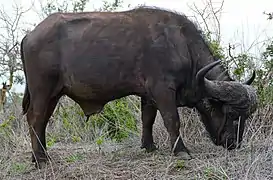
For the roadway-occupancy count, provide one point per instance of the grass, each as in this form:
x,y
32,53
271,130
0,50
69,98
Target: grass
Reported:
x,y
81,150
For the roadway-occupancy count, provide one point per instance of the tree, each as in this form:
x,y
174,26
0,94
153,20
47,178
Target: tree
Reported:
x,y
208,18
240,65
10,63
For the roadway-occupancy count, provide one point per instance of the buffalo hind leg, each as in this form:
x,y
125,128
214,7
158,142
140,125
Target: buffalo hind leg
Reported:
x,y
148,114
166,103
37,117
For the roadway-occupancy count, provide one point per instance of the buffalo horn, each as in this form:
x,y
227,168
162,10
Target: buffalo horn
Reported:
x,y
250,80
203,71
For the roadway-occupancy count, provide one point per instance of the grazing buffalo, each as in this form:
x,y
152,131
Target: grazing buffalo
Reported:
x,y
96,57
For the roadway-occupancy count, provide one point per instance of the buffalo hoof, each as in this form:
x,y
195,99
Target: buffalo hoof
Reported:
x,y
40,160
184,155
41,164
180,147
149,147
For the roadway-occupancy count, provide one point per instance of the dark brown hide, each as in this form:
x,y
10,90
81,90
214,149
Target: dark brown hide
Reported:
x,y
96,57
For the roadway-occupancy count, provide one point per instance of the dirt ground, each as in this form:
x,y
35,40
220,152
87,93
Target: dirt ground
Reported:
x,y
120,161
128,161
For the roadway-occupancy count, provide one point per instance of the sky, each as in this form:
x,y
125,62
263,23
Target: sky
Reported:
x,y
242,21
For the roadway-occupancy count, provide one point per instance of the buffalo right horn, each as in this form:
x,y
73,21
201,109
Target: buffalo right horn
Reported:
x,y
250,80
200,76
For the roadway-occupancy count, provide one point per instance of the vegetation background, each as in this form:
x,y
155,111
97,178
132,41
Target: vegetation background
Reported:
x,y
108,145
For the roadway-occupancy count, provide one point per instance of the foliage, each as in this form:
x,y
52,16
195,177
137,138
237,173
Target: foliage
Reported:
x,y
180,164
268,63
6,128
215,174
64,6
215,47
242,65
269,15
265,76
116,122
18,168
77,6
108,6
120,119
74,157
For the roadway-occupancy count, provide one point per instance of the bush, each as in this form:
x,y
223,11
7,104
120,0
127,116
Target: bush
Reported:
x,y
117,121
119,117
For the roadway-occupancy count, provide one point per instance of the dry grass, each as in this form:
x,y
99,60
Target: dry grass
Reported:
x,y
85,160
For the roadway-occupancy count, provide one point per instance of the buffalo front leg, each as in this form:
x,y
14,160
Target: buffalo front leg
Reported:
x,y
166,103
148,114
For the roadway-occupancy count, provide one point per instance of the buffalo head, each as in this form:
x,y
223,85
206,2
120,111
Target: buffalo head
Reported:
x,y
226,106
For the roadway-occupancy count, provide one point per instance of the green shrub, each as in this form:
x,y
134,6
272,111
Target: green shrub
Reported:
x,y
120,119
117,121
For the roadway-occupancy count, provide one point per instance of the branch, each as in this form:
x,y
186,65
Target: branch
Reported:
x,y
201,14
270,15
9,39
13,47
216,17
230,55
210,13
229,51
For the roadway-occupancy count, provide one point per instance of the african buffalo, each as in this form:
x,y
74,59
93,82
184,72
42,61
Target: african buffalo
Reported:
x,y
159,55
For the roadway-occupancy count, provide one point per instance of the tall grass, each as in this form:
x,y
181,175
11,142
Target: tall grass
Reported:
x,y
108,146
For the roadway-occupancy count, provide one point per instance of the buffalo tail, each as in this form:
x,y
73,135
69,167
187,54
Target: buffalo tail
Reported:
x,y
26,98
